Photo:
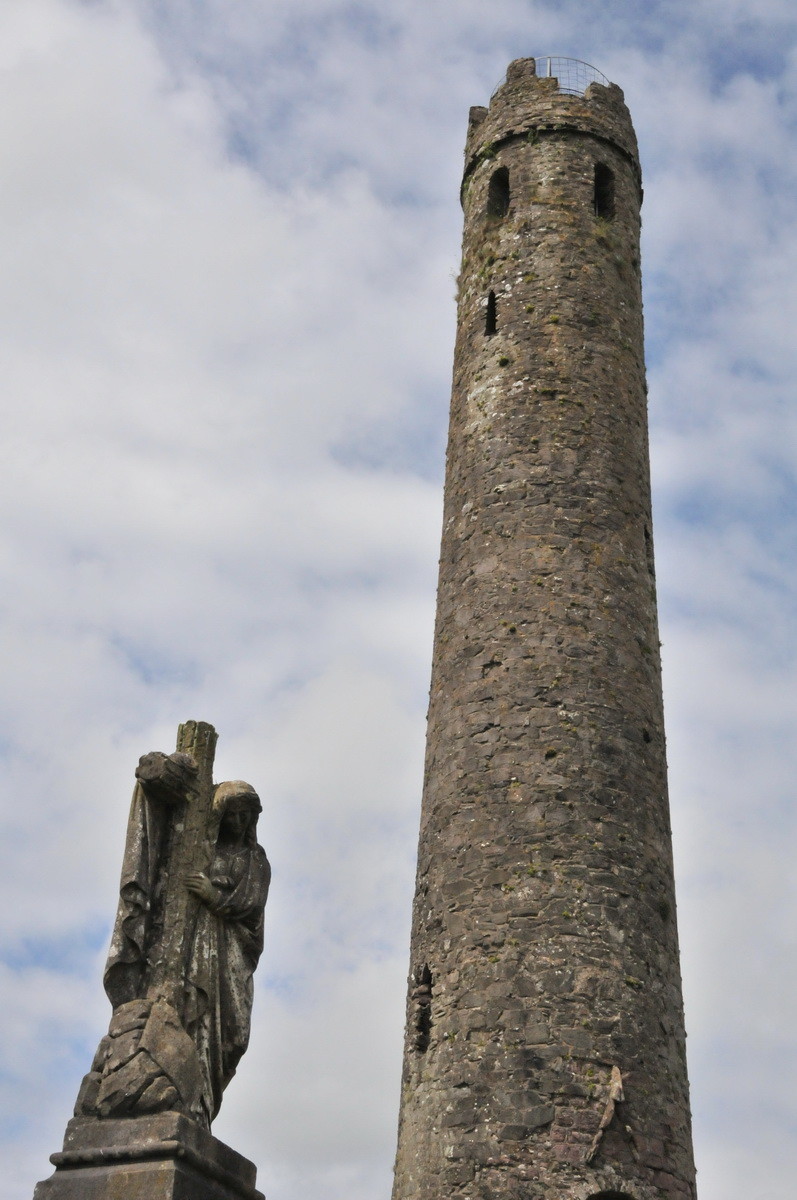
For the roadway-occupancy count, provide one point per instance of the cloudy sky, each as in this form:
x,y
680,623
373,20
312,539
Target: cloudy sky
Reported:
x,y
229,236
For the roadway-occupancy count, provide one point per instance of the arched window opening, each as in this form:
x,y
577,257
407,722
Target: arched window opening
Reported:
x,y
498,193
491,316
604,191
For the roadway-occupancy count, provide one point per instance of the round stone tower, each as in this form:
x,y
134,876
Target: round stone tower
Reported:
x,y
544,1055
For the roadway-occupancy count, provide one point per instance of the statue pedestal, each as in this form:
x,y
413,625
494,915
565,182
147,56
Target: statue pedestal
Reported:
x,y
162,1157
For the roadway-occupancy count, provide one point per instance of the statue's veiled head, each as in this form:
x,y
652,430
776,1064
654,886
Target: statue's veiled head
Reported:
x,y
237,807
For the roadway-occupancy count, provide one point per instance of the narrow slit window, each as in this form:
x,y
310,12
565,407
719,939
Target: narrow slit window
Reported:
x,y
491,315
649,551
422,1006
604,191
498,193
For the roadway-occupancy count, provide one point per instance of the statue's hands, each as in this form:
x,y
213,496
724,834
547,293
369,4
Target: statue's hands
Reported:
x,y
201,887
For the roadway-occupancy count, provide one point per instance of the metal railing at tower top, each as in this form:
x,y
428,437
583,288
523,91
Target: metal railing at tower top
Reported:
x,y
573,75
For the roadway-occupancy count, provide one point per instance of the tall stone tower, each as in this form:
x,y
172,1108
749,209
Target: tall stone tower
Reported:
x,y
544,1055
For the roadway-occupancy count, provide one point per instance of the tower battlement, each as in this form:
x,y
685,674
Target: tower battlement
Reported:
x,y
528,105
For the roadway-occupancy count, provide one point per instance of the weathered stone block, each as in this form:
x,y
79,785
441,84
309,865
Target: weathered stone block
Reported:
x,y
162,1157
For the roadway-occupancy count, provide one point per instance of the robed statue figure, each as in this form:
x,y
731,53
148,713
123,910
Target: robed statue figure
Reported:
x,y
187,939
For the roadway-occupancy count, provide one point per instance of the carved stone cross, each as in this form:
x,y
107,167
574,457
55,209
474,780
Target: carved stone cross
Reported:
x,y
182,781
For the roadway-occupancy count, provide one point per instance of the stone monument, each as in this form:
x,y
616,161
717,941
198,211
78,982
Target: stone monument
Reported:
x,y
545,1055
187,939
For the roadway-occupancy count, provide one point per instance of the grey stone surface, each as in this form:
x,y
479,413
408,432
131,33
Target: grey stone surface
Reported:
x,y
162,1157
544,915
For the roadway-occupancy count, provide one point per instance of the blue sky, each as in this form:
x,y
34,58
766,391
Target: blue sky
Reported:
x,y
230,238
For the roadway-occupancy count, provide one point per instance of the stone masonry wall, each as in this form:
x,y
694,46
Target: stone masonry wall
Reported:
x,y
545,1054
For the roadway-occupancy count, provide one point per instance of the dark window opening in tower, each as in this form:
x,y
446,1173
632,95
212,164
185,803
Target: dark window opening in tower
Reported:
x,y
491,316
604,191
498,193
649,552
422,1008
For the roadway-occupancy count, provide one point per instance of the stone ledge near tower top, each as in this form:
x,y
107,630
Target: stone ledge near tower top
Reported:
x,y
161,1157
528,105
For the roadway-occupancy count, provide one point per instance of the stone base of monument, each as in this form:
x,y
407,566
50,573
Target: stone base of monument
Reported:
x,y
161,1157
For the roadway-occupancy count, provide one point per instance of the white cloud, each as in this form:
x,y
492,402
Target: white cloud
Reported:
x,y
226,330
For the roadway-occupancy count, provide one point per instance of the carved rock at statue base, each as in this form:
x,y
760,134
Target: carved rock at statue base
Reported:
x,y
146,1063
